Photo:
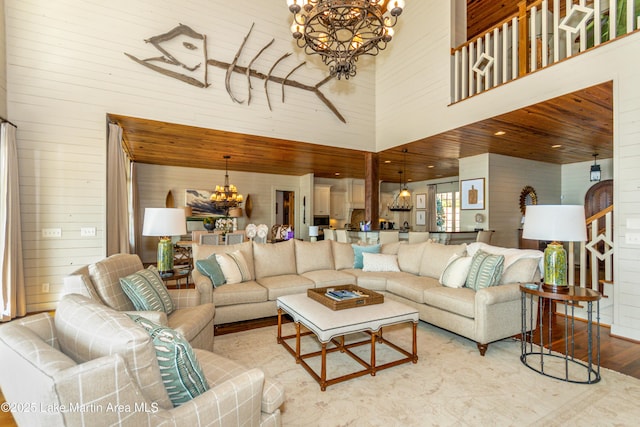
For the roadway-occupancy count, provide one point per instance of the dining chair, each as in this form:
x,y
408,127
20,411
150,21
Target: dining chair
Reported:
x,y
210,239
195,235
484,236
234,238
390,236
329,234
342,236
418,236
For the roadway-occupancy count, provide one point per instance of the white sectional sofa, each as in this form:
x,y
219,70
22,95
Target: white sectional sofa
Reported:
x,y
484,315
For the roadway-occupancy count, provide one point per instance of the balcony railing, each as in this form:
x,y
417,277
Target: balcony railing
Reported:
x,y
539,35
596,254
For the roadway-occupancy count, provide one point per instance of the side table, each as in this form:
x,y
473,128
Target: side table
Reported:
x,y
565,366
176,277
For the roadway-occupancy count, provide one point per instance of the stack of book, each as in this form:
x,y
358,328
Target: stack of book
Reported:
x,y
341,295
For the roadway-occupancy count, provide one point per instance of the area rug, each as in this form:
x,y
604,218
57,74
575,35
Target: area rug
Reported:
x,y
451,385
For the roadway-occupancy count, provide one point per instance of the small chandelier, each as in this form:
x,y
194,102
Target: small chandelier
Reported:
x,y
227,197
402,202
342,30
595,174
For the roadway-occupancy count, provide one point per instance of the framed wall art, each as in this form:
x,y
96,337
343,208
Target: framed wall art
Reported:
x,y
421,201
199,201
421,217
472,194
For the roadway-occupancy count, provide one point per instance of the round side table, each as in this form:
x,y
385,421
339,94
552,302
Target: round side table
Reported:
x,y
561,366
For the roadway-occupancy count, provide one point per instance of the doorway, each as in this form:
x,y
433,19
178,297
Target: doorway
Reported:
x,y
285,207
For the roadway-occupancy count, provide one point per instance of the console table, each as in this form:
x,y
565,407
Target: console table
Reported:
x,y
561,366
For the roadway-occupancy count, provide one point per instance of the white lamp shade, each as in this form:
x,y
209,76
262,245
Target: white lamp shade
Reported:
x,y
313,231
164,222
561,223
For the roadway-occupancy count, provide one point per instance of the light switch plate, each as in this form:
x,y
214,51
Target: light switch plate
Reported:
x,y
632,238
87,232
51,233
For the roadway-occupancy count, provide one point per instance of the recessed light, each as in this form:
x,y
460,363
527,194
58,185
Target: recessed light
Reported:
x,y
337,174
387,161
500,133
556,146
430,167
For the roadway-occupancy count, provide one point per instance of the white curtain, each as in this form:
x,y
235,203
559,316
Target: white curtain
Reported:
x,y
117,196
432,215
12,299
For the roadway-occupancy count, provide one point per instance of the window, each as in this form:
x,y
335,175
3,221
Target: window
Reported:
x,y
448,211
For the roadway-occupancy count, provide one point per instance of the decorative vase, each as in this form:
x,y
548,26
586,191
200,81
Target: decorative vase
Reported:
x,y
165,255
555,267
209,224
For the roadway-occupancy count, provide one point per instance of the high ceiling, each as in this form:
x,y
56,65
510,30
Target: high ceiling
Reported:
x,y
580,123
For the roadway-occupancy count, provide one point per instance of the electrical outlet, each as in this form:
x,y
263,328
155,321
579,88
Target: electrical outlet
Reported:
x,y
87,232
45,288
50,233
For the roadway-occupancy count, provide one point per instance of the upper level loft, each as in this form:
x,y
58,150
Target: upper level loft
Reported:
x,y
535,35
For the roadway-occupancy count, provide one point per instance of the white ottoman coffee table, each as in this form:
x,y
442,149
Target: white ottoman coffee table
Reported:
x,y
330,326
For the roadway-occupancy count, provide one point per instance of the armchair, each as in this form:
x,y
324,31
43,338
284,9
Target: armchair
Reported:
x,y
95,366
193,316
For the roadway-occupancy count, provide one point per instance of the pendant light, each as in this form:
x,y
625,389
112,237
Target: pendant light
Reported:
x,y
595,173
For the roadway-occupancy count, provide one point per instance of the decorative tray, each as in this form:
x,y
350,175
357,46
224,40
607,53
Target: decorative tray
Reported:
x,y
366,297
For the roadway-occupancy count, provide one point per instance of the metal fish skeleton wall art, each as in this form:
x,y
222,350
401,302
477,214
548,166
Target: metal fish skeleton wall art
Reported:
x,y
196,75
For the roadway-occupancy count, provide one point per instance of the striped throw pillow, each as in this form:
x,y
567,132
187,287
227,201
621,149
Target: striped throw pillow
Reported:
x,y
485,271
234,267
147,291
181,373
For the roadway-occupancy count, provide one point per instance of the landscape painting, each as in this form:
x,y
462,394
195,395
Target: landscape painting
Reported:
x,y
200,202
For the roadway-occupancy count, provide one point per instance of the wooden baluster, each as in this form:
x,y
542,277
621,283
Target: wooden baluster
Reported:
x,y
523,27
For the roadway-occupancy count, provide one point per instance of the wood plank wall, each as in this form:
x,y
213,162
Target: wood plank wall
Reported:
x,y
66,70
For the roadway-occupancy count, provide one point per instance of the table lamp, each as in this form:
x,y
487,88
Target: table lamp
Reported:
x,y
555,223
313,233
164,223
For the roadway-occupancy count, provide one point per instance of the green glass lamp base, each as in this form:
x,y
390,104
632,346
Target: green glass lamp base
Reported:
x,y
555,268
165,255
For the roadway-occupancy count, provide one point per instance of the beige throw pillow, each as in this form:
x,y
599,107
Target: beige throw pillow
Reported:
x,y
234,267
379,262
456,271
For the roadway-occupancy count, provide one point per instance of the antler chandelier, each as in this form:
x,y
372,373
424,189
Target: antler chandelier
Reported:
x,y
227,197
342,30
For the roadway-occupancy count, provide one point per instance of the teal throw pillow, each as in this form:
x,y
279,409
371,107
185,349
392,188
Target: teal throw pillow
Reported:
x,y
210,268
181,373
486,270
358,261
147,291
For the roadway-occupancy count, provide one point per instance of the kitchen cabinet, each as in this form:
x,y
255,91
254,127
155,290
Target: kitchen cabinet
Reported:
x,y
357,197
321,199
338,204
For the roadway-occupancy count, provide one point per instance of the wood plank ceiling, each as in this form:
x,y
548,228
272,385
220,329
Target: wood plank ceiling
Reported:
x,y
581,123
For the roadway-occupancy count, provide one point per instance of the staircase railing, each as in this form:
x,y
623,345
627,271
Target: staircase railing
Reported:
x,y
596,252
540,34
